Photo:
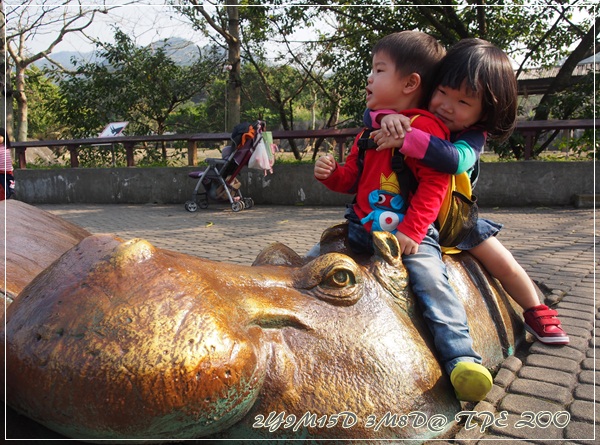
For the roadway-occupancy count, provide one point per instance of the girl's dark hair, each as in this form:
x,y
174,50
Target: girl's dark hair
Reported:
x,y
487,69
413,52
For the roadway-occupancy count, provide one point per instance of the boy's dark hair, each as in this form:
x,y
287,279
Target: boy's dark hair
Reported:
x,y
413,52
487,69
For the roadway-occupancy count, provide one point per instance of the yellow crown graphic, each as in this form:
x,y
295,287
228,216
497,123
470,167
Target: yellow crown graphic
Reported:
x,y
389,183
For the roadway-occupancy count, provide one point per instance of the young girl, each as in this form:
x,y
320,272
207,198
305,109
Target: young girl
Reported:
x,y
6,168
475,96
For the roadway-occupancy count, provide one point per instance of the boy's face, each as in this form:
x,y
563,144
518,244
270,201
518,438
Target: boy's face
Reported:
x,y
385,85
458,109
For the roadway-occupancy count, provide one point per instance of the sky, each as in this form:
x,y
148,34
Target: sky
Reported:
x,y
144,23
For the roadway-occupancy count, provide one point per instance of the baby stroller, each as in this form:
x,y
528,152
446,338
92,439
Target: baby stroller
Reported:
x,y
218,180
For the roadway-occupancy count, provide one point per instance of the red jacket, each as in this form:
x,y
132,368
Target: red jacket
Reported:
x,y
424,204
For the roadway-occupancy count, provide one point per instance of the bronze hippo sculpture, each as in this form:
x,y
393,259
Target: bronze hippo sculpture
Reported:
x,y
122,340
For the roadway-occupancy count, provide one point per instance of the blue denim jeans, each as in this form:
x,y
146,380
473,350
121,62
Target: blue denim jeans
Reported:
x,y
443,311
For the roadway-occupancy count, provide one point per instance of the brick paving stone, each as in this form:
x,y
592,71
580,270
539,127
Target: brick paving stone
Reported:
x,y
578,332
584,392
517,403
542,390
512,363
568,322
495,395
588,377
584,410
575,306
466,436
504,377
517,426
590,363
579,432
546,361
565,379
592,352
571,351
497,440
583,315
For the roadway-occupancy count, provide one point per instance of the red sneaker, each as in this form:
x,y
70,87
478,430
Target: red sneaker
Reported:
x,y
543,323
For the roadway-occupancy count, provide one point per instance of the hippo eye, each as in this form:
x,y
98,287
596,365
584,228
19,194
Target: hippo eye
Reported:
x,y
339,278
334,278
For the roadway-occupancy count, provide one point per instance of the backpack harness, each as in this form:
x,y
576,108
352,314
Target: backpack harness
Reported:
x,y
458,213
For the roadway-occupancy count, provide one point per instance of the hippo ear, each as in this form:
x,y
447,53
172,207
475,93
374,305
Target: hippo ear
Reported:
x,y
393,278
278,254
335,239
387,247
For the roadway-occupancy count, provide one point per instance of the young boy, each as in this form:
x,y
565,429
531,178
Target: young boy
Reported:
x,y
402,65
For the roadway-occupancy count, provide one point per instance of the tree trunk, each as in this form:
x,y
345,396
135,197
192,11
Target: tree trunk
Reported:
x,y
234,84
563,78
21,98
286,126
5,71
8,103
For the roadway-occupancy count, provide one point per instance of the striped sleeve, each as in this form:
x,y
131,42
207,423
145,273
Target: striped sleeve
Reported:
x,y
442,155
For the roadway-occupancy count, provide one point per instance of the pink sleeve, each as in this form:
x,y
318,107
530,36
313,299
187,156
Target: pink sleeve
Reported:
x,y
378,114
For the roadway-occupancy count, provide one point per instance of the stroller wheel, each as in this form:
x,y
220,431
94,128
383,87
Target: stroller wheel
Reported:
x,y
248,202
204,205
191,206
236,206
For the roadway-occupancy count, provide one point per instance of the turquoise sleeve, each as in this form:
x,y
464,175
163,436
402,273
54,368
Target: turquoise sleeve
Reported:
x,y
466,156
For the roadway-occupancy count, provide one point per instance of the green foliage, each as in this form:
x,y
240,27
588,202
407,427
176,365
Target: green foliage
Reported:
x,y
41,93
140,85
156,95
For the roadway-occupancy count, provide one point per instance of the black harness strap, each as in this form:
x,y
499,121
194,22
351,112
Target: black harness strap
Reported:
x,y
406,179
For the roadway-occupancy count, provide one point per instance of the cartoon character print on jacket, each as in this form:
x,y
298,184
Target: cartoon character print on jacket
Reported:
x,y
387,204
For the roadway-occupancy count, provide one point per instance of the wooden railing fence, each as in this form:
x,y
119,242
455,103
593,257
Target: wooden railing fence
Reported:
x,y
529,129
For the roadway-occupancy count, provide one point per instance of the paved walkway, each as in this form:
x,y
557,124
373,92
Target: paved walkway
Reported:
x,y
550,391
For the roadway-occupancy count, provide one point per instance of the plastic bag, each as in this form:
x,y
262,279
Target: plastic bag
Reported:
x,y
260,158
271,147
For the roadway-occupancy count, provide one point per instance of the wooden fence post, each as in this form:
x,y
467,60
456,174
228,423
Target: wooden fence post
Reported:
x,y
341,148
129,153
192,152
73,155
20,154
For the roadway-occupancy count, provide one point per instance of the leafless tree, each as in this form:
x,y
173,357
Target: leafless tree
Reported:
x,y
36,20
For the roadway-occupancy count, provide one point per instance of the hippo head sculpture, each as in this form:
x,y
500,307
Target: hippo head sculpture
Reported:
x,y
122,340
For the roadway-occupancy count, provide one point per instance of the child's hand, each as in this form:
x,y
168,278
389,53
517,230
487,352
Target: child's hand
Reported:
x,y
324,167
396,125
384,142
407,245
393,128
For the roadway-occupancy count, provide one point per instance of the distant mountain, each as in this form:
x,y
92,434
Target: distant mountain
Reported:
x,y
64,58
181,51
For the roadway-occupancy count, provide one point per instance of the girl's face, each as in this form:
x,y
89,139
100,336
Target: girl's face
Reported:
x,y
458,109
384,85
